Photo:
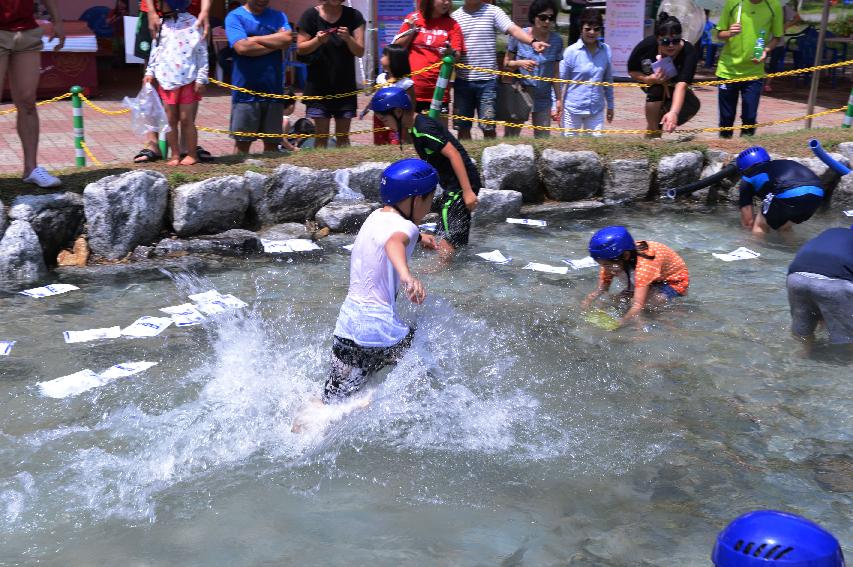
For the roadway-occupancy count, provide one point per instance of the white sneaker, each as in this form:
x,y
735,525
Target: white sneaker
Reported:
x,y
39,176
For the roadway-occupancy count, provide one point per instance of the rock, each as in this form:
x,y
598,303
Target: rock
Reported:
x,y
715,161
834,472
78,256
345,192
56,218
679,169
142,253
842,195
235,242
285,231
827,176
558,209
21,256
3,220
252,162
123,211
365,178
511,167
255,186
571,176
495,205
846,149
345,216
627,180
295,194
210,206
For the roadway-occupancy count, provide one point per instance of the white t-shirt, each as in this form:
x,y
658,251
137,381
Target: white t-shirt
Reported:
x,y
478,29
405,83
367,315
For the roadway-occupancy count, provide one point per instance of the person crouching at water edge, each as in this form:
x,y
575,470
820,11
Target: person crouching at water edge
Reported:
x,y
654,272
790,192
434,143
368,334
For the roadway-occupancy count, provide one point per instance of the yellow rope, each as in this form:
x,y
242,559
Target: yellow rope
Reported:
x,y
89,153
42,103
101,109
267,135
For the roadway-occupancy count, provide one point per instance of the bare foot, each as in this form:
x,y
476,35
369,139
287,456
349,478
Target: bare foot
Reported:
x,y
174,162
189,160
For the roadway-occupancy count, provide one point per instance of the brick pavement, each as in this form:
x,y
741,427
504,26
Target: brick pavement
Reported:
x,y
111,140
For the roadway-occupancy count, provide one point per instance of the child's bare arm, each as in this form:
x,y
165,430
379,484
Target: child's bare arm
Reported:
x,y
395,248
458,165
640,295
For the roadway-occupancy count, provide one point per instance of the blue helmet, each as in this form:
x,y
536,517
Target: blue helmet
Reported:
x,y
752,156
766,537
406,178
389,98
610,242
178,5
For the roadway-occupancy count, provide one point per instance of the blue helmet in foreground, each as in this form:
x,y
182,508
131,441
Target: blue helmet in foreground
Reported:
x,y
766,538
610,242
389,98
752,156
407,178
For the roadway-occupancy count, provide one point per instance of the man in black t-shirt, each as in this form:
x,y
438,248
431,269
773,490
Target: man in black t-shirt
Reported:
x,y
457,173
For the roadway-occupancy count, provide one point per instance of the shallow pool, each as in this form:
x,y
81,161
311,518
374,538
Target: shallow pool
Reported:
x,y
513,433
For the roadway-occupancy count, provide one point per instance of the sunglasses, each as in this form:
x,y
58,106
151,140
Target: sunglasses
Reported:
x,y
592,28
546,17
667,41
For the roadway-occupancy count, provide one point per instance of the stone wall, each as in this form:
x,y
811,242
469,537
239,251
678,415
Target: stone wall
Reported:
x,y
136,216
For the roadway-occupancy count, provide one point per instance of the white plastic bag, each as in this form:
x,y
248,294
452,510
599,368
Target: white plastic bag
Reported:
x,y
147,113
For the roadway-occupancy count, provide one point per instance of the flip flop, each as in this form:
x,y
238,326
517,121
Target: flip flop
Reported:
x,y
204,156
147,155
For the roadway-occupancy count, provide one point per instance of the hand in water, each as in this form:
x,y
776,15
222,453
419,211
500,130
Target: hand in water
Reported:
x,y
414,289
471,201
428,241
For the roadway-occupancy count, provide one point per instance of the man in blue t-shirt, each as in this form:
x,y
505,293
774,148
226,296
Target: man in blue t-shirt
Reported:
x,y
258,35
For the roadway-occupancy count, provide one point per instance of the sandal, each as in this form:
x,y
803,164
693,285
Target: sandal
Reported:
x,y
147,155
204,156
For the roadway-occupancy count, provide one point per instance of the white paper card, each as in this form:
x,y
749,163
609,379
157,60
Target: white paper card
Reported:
x,y
528,222
71,385
125,369
581,263
6,347
220,304
92,334
739,254
184,315
428,226
494,256
849,213
301,245
147,327
204,297
546,268
348,247
48,290
288,246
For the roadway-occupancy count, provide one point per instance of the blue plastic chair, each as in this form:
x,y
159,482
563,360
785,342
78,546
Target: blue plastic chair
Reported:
x,y
96,18
803,47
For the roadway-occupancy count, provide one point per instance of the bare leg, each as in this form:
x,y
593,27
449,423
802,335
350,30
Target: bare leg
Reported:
x,y
271,144
24,69
653,118
189,134
242,147
342,127
464,133
510,132
490,134
173,113
322,127
760,225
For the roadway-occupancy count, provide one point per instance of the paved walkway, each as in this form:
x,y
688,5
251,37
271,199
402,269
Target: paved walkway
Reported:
x,y
111,140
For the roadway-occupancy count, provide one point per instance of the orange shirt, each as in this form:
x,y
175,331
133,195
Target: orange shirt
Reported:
x,y
194,9
664,266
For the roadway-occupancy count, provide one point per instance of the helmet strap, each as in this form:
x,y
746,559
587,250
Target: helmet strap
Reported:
x,y
411,210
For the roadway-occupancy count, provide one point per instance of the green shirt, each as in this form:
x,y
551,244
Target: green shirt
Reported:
x,y
736,56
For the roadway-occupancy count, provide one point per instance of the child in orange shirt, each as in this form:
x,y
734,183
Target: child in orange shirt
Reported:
x,y
655,272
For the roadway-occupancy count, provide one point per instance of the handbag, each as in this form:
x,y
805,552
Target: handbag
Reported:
x,y
514,103
689,109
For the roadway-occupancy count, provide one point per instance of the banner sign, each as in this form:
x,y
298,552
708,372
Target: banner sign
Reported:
x,y
389,18
625,26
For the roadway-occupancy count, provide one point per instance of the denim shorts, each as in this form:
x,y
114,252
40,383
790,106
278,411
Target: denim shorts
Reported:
x,y
479,96
666,289
318,110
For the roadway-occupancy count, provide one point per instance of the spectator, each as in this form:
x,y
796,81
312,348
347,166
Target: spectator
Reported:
x,y
750,29
576,8
331,36
666,63
289,107
588,59
259,35
20,55
179,65
148,28
477,90
777,56
430,33
395,65
522,58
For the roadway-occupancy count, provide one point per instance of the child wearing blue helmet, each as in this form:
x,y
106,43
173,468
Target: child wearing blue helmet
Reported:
x,y
434,143
654,272
790,192
368,334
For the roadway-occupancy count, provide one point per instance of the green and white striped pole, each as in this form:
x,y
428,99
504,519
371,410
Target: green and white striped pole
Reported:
x,y
77,109
848,118
440,87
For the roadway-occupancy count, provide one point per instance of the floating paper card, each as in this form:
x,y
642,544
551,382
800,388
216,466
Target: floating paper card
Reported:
x,y
125,369
581,263
348,247
301,245
204,297
71,385
528,222
48,290
428,226
739,254
184,315
288,246
546,268
601,319
494,256
215,304
92,334
147,327
849,213
6,347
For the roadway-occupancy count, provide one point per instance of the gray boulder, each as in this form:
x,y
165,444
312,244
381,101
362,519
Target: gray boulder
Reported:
x,y
345,216
123,211
679,169
3,220
627,180
210,206
234,242
255,187
715,161
296,193
842,195
285,231
511,167
846,149
21,256
364,178
571,176
56,218
827,176
495,205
